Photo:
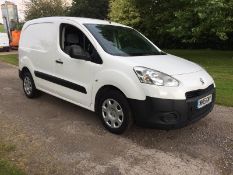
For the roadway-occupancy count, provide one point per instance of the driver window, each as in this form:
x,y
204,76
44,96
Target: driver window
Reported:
x,y
71,36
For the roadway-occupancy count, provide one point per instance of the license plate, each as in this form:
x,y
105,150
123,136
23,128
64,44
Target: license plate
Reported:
x,y
204,101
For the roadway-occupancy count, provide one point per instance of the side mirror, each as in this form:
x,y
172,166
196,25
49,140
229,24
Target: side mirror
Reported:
x,y
77,52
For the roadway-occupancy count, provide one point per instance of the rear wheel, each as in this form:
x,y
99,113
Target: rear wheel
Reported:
x,y
29,85
115,112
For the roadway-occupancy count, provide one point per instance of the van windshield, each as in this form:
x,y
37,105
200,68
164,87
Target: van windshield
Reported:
x,y
122,41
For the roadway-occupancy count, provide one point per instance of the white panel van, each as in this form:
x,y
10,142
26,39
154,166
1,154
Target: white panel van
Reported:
x,y
4,42
113,70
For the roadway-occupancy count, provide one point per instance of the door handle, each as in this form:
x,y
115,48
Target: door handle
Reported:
x,y
59,61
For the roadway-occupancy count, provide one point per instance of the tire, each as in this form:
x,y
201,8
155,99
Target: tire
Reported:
x,y
114,112
29,85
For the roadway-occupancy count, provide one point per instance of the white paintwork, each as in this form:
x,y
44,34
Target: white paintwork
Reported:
x,y
4,40
39,48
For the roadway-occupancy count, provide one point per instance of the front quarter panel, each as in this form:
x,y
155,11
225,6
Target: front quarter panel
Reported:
x,y
126,82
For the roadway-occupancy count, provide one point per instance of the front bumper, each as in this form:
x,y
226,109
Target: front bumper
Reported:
x,y
171,114
3,48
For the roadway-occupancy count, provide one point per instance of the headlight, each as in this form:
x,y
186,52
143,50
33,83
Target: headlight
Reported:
x,y
150,76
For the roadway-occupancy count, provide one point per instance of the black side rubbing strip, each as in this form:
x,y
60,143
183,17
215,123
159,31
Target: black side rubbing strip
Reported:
x,y
61,82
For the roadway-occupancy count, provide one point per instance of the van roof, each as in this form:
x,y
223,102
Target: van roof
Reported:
x,y
79,20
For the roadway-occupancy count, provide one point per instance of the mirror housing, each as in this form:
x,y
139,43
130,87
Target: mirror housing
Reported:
x,y
77,52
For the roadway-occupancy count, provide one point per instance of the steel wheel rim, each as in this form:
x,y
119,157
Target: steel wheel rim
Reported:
x,y
112,113
27,85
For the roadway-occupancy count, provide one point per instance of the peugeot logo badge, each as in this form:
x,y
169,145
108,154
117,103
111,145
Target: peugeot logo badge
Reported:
x,y
202,81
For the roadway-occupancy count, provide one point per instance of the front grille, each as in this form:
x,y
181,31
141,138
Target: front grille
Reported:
x,y
197,93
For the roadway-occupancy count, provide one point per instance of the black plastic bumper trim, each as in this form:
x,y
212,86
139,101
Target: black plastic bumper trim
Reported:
x,y
61,82
169,114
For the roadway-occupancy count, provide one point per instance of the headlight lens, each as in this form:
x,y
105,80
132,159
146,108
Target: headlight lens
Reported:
x,y
150,76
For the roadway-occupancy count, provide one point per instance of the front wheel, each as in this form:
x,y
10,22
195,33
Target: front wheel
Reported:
x,y
115,112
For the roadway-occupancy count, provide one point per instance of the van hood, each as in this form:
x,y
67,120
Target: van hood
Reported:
x,y
167,64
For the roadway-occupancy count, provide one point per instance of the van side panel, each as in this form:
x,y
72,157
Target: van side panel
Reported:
x,y
36,51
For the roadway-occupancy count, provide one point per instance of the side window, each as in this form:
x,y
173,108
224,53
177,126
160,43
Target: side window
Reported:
x,y
71,36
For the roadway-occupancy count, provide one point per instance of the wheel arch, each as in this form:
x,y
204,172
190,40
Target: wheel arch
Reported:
x,y
25,69
102,90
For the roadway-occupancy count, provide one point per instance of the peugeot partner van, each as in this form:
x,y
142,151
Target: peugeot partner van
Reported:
x,y
113,70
